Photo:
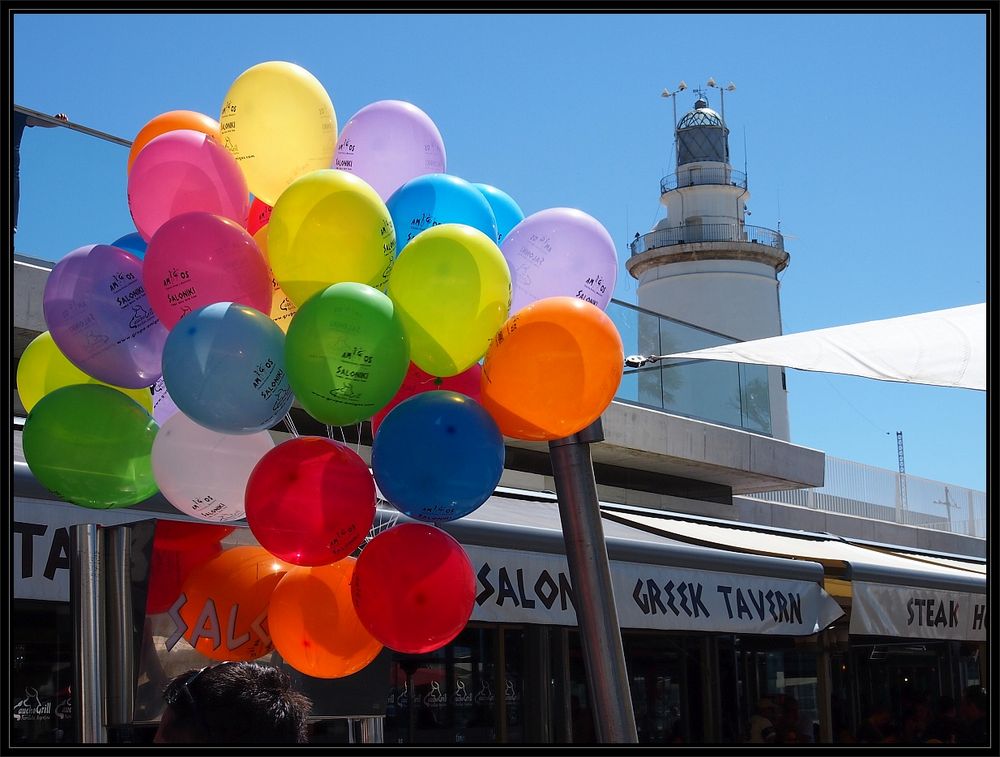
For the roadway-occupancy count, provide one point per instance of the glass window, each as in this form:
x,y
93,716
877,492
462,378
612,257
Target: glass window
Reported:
x,y
41,673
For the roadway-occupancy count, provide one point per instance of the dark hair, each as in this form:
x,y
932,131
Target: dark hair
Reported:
x,y
233,703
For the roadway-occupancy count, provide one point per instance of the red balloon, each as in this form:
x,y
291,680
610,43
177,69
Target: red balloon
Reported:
x,y
177,534
169,568
310,501
258,217
416,381
413,588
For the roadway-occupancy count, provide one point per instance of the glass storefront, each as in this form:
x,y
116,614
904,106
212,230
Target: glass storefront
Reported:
x,y
41,673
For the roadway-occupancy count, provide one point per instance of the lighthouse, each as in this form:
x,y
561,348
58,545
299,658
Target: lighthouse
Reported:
x,y
703,264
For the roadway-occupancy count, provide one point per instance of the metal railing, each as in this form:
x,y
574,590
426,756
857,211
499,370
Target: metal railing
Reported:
x,y
866,491
695,176
707,232
728,394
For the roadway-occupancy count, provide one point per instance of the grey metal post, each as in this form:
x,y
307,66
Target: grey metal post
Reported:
x,y
371,730
118,626
87,610
824,686
593,595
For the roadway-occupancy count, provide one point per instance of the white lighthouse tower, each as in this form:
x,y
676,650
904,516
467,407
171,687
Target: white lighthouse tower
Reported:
x,y
704,265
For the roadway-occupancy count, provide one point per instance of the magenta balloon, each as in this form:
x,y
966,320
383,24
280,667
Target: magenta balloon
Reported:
x,y
97,312
180,171
388,143
560,252
197,259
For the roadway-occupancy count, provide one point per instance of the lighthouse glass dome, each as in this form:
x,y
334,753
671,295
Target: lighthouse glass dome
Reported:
x,y
701,136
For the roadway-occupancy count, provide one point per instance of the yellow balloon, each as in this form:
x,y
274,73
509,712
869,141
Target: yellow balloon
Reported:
x,y
452,288
43,368
279,123
282,307
328,227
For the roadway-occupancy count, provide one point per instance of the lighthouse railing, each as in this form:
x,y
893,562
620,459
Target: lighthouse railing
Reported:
x,y
707,232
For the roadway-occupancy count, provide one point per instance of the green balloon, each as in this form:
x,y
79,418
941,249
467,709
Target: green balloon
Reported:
x,y
92,446
346,353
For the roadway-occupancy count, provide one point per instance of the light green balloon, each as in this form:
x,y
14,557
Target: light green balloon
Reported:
x,y
346,353
92,446
452,287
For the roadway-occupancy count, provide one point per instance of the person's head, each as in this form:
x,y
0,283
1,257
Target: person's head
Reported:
x,y
233,703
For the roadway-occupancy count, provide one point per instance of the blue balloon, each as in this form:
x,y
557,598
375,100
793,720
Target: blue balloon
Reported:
x,y
437,198
224,368
507,212
437,456
133,243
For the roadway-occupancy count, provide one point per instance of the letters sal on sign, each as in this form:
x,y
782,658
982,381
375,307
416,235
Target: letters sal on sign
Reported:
x,y
546,588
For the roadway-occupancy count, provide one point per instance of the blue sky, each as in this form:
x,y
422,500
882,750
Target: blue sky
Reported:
x,y
863,137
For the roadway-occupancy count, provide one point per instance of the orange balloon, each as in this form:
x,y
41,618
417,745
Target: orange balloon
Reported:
x,y
552,369
314,625
226,603
170,121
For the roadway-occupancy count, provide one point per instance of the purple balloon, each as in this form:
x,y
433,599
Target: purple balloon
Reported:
x,y
163,406
184,170
560,252
96,309
388,143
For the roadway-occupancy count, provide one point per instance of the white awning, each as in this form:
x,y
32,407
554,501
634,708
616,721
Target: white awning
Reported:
x,y
941,348
891,595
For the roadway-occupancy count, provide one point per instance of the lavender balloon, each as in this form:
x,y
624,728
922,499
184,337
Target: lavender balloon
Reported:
x,y
163,406
96,310
560,252
388,143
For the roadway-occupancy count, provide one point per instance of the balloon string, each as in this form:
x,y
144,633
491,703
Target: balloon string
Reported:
x,y
290,424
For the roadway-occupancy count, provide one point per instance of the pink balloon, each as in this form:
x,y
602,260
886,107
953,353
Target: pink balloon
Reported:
x,y
417,381
197,259
388,143
181,171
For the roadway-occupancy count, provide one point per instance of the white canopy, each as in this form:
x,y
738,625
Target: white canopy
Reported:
x,y
942,348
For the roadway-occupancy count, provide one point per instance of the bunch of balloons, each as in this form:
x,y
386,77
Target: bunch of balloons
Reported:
x,y
277,261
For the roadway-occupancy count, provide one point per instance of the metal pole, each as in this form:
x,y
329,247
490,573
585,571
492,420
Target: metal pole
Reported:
x,y
371,730
121,673
593,595
87,610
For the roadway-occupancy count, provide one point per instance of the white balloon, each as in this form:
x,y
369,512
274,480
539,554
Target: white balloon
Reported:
x,y
204,473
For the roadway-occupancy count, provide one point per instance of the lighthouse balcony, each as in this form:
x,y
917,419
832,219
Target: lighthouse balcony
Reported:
x,y
707,241
695,175
740,233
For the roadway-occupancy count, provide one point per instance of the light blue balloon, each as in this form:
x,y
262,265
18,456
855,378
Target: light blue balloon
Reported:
x,y
437,456
437,198
224,368
507,212
133,242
